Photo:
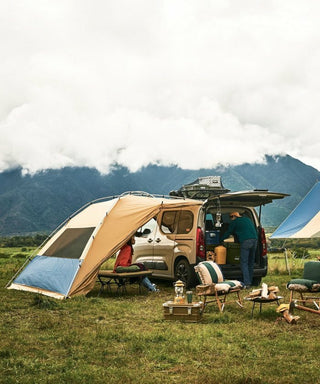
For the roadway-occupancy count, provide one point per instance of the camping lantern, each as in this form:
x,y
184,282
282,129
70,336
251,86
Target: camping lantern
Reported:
x,y
179,291
218,223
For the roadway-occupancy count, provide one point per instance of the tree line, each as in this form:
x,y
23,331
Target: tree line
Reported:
x,y
301,243
22,241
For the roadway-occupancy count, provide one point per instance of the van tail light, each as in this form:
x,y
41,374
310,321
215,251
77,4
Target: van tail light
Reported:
x,y
263,242
201,249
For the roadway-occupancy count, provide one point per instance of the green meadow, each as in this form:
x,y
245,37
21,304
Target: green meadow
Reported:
x,y
125,339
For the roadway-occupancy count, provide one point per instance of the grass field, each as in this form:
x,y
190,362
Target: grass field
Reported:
x,y
124,339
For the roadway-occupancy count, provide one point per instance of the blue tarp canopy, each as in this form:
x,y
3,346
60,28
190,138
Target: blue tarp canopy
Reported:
x,y
304,221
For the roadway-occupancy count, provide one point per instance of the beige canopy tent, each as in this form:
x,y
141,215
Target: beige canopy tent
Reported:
x,y
69,261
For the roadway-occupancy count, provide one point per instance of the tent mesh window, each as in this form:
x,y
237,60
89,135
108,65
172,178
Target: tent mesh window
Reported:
x,y
71,243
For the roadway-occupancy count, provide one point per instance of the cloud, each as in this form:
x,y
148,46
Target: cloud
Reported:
x,y
195,84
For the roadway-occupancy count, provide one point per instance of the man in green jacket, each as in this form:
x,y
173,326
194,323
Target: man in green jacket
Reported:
x,y
245,231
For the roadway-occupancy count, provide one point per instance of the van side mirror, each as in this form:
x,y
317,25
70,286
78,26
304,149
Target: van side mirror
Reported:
x,y
144,233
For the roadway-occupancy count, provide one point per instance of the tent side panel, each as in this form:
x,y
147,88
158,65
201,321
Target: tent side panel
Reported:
x,y
311,229
89,217
49,273
304,212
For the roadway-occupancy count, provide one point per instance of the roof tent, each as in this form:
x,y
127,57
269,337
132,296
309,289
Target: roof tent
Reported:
x,y
68,263
304,220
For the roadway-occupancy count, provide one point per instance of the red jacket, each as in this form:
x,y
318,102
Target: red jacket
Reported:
x,y
124,258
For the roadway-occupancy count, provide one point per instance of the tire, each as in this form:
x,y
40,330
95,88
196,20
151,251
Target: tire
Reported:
x,y
183,271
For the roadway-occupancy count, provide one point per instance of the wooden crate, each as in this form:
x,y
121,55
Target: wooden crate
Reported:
x,y
186,312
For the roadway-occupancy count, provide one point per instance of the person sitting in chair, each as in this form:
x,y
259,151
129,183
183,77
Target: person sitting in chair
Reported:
x,y
124,259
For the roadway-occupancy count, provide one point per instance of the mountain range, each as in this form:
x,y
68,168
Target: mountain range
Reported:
x,y
39,203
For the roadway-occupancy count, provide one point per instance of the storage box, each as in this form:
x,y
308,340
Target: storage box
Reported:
x,y
191,313
233,253
212,237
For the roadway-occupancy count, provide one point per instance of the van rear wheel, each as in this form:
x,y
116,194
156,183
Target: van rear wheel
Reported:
x,y
182,271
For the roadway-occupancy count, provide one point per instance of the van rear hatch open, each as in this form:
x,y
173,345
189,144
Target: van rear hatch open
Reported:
x,y
253,198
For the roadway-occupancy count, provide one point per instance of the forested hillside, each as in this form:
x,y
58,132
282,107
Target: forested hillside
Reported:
x,y
38,203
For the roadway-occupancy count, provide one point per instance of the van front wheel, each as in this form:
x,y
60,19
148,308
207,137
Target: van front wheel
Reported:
x,y
182,271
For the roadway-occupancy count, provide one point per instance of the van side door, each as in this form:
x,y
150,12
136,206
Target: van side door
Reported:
x,y
164,242
155,243
185,236
143,247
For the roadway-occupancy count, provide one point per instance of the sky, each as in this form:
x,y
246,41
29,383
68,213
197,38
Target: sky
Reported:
x,y
171,82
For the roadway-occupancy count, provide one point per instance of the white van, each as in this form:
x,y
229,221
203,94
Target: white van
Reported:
x,y
172,243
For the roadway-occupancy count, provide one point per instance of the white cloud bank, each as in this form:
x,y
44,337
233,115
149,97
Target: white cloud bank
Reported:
x,y
192,83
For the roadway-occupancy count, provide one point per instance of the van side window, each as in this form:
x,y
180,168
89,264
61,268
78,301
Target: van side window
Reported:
x,y
148,228
168,222
185,222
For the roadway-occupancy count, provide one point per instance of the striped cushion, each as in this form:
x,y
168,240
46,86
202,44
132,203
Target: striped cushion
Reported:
x,y
208,272
222,287
298,287
315,288
303,285
226,285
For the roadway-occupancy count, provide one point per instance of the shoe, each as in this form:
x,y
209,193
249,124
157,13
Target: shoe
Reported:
x,y
154,290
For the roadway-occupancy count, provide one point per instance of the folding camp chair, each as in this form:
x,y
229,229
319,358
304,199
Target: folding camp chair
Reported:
x,y
308,288
214,285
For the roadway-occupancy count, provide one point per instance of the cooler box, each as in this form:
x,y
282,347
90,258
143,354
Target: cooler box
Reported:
x,y
212,237
191,313
233,253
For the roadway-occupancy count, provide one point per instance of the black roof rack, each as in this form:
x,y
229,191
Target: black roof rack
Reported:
x,y
202,188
